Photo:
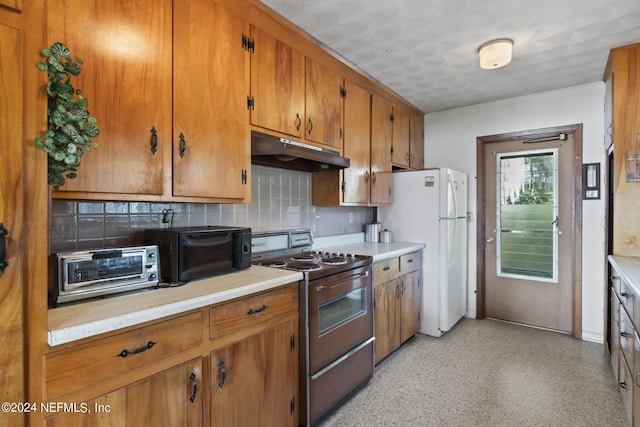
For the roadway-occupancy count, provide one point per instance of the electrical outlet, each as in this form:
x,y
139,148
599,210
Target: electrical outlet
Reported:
x,y
352,217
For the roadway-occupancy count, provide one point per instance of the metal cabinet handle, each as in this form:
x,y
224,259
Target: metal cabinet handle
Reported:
x,y
154,140
257,310
147,346
366,176
373,177
194,384
623,385
387,268
637,381
223,373
183,144
625,334
310,127
3,248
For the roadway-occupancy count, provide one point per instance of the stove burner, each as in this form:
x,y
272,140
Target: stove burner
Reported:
x,y
334,260
303,258
304,266
277,264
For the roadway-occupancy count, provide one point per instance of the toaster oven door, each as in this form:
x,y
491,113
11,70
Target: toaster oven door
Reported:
x,y
102,268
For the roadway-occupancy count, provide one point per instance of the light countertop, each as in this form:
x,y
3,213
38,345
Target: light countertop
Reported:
x,y
81,320
379,251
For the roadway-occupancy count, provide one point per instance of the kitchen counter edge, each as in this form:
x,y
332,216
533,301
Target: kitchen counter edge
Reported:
x,y
379,251
86,319
629,268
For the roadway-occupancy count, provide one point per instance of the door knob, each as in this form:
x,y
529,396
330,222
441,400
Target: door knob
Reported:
x,y
490,239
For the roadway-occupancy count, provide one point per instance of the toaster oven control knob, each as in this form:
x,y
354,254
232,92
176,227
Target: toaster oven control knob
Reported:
x,y
149,266
152,276
151,255
246,248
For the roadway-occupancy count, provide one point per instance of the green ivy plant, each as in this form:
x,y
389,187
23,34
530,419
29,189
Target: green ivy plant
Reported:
x,y
70,127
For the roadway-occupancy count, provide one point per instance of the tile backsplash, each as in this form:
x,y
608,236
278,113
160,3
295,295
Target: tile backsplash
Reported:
x,y
281,199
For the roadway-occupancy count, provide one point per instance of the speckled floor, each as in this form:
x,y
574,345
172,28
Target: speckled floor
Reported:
x,y
489,373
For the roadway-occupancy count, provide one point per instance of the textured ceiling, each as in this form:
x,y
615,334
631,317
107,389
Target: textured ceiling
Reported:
x,y
426,50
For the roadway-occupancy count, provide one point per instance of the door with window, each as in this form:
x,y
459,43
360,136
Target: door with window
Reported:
x,y
528,231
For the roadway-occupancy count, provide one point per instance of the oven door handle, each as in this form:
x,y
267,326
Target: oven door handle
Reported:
x,y
343,282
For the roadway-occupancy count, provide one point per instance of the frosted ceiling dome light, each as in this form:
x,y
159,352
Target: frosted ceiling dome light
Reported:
x,y
495,54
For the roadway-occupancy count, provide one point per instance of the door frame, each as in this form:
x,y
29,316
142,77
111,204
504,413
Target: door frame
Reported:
x,y
576,205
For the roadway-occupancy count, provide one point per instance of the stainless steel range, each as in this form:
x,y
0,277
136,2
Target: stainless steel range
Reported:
x,y
336,318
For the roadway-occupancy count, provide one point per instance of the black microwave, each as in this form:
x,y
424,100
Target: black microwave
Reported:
x,y
191,253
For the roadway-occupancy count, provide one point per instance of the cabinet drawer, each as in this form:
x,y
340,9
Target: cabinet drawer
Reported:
x,y
627,297
627,335
409,262
626,389
235,316
87,364
386,270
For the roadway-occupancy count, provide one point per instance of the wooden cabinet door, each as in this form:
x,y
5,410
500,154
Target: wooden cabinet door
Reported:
x,y
324,105
254,381
212,146
400,151
410,304
381,136
11,217
277,85
170,398
126,77
416,141
357,140
386,319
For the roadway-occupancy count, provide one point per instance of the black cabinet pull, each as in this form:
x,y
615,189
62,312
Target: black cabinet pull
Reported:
x,y
366,176
223,373
298,121
183,145
623,385
310,126
3,248
625,334
257,310
194,384
154,140
387,268
373,177
147,346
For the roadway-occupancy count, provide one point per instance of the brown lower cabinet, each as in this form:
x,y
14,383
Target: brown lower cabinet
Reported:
x,y
234,363
397,294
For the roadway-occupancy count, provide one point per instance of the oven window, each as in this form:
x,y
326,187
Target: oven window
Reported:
x,y
340,310
108,268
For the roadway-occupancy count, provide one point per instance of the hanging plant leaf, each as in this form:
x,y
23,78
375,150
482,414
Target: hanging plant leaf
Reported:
x,y
70,125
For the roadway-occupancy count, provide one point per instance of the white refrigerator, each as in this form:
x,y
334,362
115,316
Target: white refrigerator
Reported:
x,y
430,207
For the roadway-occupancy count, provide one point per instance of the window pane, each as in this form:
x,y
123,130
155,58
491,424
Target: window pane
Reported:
x,y
527,210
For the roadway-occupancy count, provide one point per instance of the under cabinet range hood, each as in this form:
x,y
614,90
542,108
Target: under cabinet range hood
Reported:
x,y
269,150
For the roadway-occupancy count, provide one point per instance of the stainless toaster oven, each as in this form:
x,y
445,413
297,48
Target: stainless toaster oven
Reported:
x,y
92,273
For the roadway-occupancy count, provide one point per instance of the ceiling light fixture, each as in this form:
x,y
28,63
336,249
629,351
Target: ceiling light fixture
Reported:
x,y
495,53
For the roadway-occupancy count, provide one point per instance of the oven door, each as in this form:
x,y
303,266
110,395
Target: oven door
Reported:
x,y
340,315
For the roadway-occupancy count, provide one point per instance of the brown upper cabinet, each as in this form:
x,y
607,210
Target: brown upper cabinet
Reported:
x,y
416,140
623,72
408,138
324,105
367,143
381,138
294,95
166,131
277,85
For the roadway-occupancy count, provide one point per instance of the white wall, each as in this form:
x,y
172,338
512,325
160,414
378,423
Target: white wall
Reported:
x,y
450,140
